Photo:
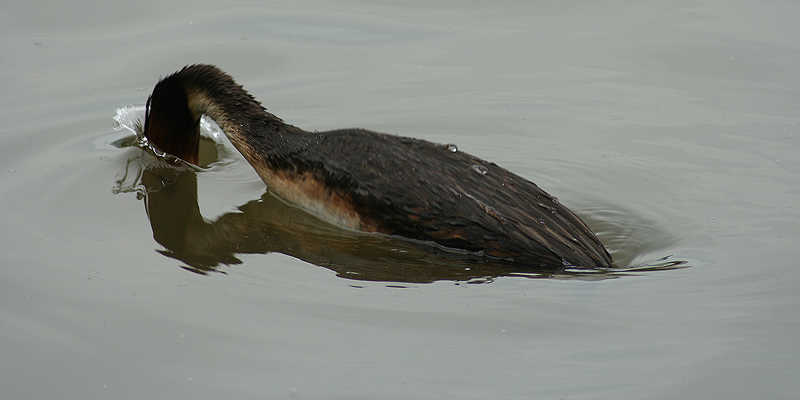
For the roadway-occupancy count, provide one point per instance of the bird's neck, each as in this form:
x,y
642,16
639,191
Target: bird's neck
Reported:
x,y
260,136
179,100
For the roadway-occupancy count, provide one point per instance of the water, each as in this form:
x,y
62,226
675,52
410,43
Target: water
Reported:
x,y
480,169
669,127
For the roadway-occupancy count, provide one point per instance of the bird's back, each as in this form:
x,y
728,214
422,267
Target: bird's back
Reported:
x,y
431,192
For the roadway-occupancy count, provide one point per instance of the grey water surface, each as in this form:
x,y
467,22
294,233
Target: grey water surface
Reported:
x,y
670,127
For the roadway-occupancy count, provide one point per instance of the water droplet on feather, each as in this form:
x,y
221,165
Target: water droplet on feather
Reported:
x,y
480,169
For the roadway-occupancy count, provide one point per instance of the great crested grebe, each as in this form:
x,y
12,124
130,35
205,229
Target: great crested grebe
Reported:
x,y
376,182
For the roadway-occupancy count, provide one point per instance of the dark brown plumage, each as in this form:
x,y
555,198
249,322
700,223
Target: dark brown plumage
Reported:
x,y
377,182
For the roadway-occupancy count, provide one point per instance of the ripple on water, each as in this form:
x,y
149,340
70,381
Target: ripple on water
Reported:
x,y
131,118
634,242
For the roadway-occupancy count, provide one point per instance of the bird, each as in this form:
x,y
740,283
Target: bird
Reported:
x,y
367,181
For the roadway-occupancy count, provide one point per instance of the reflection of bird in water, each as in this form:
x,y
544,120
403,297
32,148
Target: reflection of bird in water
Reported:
x,y
270,225
375,182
